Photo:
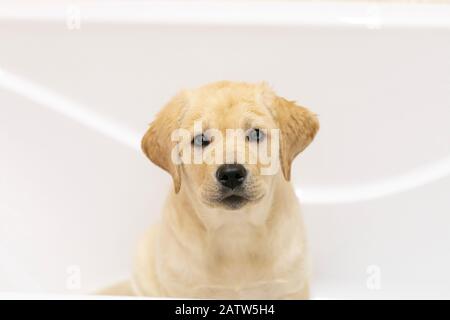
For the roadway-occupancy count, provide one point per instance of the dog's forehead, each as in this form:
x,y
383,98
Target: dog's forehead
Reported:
x,y
228,106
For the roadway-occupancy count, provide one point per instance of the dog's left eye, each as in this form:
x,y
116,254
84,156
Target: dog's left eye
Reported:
x,y
201,140
255,135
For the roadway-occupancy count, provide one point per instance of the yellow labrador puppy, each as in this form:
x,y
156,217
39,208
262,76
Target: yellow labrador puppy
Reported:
x,y
230,229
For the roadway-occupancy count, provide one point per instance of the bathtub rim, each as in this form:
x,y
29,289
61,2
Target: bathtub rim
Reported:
x,y
246,13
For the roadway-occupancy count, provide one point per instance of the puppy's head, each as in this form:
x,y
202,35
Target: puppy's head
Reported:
x,y
223,142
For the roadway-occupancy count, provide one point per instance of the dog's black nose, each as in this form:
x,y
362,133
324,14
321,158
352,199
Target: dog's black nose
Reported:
x,y
231,175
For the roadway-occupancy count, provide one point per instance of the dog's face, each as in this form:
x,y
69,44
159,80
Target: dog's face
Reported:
x,y
242,133
240,125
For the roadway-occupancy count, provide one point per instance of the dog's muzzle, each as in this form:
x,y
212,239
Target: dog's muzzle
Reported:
x,y
231,178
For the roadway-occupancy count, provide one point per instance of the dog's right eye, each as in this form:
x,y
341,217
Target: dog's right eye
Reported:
x,y
201,140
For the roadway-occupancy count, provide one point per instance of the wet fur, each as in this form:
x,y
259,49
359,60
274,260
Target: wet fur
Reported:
x,y
201,249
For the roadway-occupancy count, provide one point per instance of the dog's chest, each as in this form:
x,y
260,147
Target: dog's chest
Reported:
x,y
252,277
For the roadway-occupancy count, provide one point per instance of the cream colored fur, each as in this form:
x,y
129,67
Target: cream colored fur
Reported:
x,y
204,250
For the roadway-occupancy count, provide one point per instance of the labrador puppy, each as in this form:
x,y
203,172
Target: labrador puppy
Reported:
x,y
231,228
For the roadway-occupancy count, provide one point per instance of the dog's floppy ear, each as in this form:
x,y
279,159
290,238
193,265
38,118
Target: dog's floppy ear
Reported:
x,y
157,143
298,127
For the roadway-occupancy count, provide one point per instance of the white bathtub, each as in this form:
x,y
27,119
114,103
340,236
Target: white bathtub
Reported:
x,y
79,83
